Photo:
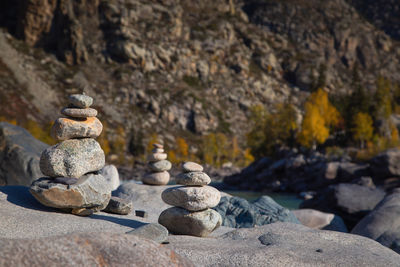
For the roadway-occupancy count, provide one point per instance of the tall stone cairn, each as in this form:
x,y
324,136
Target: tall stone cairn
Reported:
x,y
192,213
72,182
159,167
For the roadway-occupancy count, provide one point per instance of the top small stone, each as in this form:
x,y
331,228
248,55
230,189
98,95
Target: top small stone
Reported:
x,y
81,101
192,167
156,145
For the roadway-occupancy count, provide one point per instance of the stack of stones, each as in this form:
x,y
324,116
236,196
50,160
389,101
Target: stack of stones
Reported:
x,y
192,213
159,166
71,166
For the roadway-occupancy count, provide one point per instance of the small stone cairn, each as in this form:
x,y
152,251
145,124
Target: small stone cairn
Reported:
x,y
71,167
159,166
192,213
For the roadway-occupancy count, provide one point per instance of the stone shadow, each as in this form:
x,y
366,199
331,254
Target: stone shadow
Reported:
x,y
20,196
121,221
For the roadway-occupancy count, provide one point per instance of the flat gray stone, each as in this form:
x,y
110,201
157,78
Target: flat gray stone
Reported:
x,y
156,178
91,191
152,231
157,157
193,178
72,158
119,206
192,167
160,166
193,198
184,222
79,112
80,101
68,128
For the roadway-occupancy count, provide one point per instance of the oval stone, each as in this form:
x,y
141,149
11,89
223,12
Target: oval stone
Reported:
x,y
80,101
192,167
156,178
65,128
157,150
193,178
156,145
157,156
160,166
79,112
91,191
72,158
183,222
193,198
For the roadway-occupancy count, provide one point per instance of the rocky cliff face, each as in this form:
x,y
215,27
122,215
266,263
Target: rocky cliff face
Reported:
x,y
188,67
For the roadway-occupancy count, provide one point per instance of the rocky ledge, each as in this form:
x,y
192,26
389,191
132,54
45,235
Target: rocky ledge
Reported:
x,y
41,236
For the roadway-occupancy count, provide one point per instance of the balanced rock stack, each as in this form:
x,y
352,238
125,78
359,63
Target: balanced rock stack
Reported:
x,y
192,213
159,166
71,166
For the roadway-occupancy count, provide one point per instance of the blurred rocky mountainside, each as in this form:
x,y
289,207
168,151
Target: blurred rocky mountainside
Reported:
x,y
188,68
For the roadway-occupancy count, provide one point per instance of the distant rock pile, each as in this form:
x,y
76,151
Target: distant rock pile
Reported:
x,y
192,213
159,166
72,166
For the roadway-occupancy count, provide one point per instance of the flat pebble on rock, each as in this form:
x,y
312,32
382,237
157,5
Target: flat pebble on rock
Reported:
x,y
91,191
156,178
151,231
157,156
192,198
193,178
72,158
119,206
80,101
192,167
65,128
183,222
79,112
160,166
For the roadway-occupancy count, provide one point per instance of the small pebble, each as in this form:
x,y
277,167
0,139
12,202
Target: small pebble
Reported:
x,y
192,167
82,212
80,101
141,213
156,145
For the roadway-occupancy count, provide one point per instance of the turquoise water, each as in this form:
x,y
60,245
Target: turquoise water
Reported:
x,y
286,200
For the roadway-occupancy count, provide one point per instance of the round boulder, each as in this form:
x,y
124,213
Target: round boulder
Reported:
x,y
160,166
156,178
192,198
183,222
193,178
72,158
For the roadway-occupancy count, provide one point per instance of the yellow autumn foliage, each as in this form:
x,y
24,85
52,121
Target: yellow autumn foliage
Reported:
x,y
320,115
363,129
